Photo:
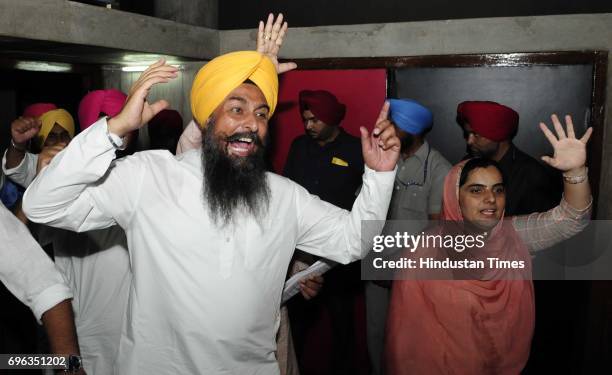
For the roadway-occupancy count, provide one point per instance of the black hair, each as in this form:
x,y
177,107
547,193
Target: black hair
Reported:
x,y
476,163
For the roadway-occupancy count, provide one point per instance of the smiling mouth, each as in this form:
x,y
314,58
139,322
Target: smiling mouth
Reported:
x,y
490,212
241,146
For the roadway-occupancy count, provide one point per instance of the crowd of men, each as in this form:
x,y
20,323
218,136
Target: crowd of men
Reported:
x,y
173,260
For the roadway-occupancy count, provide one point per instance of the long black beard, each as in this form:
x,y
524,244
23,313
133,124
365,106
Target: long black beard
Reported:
x,y
233,183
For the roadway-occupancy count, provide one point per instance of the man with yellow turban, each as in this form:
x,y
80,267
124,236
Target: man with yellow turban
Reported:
x,y
210,233
51,131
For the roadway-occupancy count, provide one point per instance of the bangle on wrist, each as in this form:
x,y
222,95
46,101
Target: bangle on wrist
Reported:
x,y
24,149
576,179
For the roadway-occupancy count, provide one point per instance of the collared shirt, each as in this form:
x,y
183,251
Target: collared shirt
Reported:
x,y
530,186
204,299
332,171
419,183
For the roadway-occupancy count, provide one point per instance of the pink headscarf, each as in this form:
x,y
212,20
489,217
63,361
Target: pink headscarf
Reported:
x,y
38,109
109,102
461,326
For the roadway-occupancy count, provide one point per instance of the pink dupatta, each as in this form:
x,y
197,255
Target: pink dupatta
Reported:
x,y
462,326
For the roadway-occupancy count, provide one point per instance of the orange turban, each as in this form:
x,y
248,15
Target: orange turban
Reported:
x,y
223,74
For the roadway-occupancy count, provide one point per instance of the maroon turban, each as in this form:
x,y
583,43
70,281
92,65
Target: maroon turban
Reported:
x,y
489,119
324,105
38,109
168,119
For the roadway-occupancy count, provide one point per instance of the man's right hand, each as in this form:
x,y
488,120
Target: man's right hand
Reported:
x,y
23,129
47,154
137,111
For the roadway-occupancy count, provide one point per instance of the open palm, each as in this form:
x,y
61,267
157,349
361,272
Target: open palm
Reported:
x,y
137,111
570,152
270,39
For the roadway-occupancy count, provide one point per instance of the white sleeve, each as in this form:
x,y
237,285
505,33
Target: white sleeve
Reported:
x,y
26,270
331,232
24,173
82,188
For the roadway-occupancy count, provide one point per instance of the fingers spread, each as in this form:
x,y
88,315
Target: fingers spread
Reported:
x,y
269,25
259,46
570,126
550,161
549,135
586,136
558,127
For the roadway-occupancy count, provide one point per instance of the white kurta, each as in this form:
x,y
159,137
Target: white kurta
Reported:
x,y
96,267
204,300
24,173
26,270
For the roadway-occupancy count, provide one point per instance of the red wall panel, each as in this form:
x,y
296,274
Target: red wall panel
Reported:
x,y
363,92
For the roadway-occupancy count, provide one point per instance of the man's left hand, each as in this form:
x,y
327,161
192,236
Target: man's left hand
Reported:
x,y
381,149
47,154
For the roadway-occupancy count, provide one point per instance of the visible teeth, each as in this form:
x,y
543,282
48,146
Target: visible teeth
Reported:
x,y
247,140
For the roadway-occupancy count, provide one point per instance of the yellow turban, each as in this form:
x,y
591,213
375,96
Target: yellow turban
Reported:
x,y
56,116
223,74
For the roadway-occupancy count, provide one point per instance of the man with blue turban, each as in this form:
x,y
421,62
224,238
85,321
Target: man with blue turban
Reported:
x,y
210,233
417,197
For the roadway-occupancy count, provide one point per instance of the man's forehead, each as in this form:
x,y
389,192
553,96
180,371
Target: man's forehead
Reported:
x,y
248,92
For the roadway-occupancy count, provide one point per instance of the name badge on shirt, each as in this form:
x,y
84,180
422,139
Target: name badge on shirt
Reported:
x,y
339,162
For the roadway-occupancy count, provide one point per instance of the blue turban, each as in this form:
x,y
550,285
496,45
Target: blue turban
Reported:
x,y
410,116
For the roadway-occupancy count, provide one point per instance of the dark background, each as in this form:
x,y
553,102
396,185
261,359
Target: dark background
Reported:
x,y
244,14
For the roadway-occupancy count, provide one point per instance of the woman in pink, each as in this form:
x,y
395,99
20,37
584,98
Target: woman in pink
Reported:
x,y
485,325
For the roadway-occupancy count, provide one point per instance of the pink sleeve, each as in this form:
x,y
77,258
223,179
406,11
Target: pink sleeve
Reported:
x,y
542,230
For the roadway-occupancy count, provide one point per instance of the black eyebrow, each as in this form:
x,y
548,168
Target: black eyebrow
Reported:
x,y
484,186
244,101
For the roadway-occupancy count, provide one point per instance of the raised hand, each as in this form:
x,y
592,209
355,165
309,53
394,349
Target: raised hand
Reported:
x,y
270,39
570,152
47,154
137,111
381,149
23,129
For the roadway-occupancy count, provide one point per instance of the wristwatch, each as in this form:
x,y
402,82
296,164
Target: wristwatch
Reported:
x,y
74,364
